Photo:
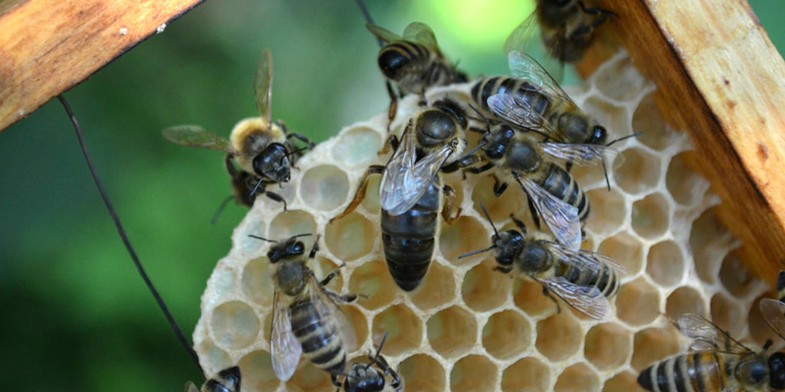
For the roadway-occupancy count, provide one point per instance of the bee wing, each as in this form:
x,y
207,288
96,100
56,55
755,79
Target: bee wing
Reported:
x,y
383,34
326,307
196,136
773,312
707,336
285,350
587,300
421,34
516,111
582,258
525,67
190,387
527,38
560,217
263,84
581,154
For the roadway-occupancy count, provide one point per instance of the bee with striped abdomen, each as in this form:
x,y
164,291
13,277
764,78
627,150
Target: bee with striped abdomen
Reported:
x,y
261,147
717,361
306,318
372,376
583,279
227,380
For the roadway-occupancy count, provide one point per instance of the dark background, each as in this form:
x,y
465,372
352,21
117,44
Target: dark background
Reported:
x,y
76,314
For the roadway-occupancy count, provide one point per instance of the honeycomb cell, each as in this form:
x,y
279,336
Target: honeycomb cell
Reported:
x,y
324,187
463,236
727,314
371,202
359,324
655,132
436,289
322,267
684,300
619,80
639,172
452,332
652,345
709,244
255,281
638,303
526,375
404,327
357,147
611,208
760,331
608,346
310,378
422,373
736,277
372,282
578,378
666,263
506,335
626,251
592,177
610,115
512,201
216,358
624,381
292,222
651,216
559,336
256,371
684,184
350,237
234,325
528,296
485,289
473,373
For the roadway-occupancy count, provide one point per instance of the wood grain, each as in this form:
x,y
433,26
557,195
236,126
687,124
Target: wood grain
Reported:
x,y
47,47
718,77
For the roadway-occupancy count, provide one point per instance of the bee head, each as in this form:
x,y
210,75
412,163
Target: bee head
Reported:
x,y
227,380
362,378
292,247
273,163
507,244
495,142
777,371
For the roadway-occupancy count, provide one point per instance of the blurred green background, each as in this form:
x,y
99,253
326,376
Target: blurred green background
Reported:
x,y
76,314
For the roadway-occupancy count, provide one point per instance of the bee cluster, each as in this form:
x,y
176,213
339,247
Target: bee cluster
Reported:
x,y
510,246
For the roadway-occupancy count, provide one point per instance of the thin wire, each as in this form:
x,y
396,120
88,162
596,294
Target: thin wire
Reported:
x,y
116,219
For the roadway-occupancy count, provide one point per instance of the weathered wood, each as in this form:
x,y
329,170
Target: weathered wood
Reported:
x,y
718,77
47,47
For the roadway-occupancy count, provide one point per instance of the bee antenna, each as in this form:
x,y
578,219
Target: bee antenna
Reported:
x,y
220,209
623,138
368,19
297,151
255,188
263,239
301,235
121,231
488,216
476,252
472,151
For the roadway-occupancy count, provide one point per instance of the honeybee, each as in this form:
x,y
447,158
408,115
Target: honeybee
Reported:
x,y
411,190
261,147
583,279
717,361
372,377
566,28
306,319
227,380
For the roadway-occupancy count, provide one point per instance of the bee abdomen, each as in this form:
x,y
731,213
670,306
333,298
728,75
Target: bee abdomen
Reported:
x,y
603,277
699,372
563,186
488,87
398,59
319,337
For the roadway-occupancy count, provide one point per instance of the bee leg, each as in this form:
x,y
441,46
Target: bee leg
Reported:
x,y
503,269
462,163
314,248
335,381
548,294
302,138
518,223
359,195
392,142
449,205
393,109
498,187
478,170
275,197
533,212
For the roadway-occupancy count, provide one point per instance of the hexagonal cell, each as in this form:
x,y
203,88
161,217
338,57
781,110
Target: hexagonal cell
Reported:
x,y
528,296
255,282
217,359
613,117
422,373
652,345
685,185
452,332
436,289
526,375
358,322
624,381
292,222
655,132
684,300
591,177
709,242
308,377
506,335
639,171
324,187
666,263
512,201
607,346
613,209
727,314
357,147
404,327
485,289
651,216
373,283
256,370
760,331
351,237
322,267
626,250
559,336
736,276
463,236
234,325
638,303
473,373
618,79
371,202
578,378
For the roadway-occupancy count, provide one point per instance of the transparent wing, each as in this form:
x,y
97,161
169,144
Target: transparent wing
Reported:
x,y
707,336
285,350
196,136
560,217
383,34
773,312
516,111
421,34
325,305
583,258
263,84
527,38
525,67
587,300
190,387
582,154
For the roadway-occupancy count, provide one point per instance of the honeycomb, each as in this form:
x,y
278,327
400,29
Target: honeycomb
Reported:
x,y
467,327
